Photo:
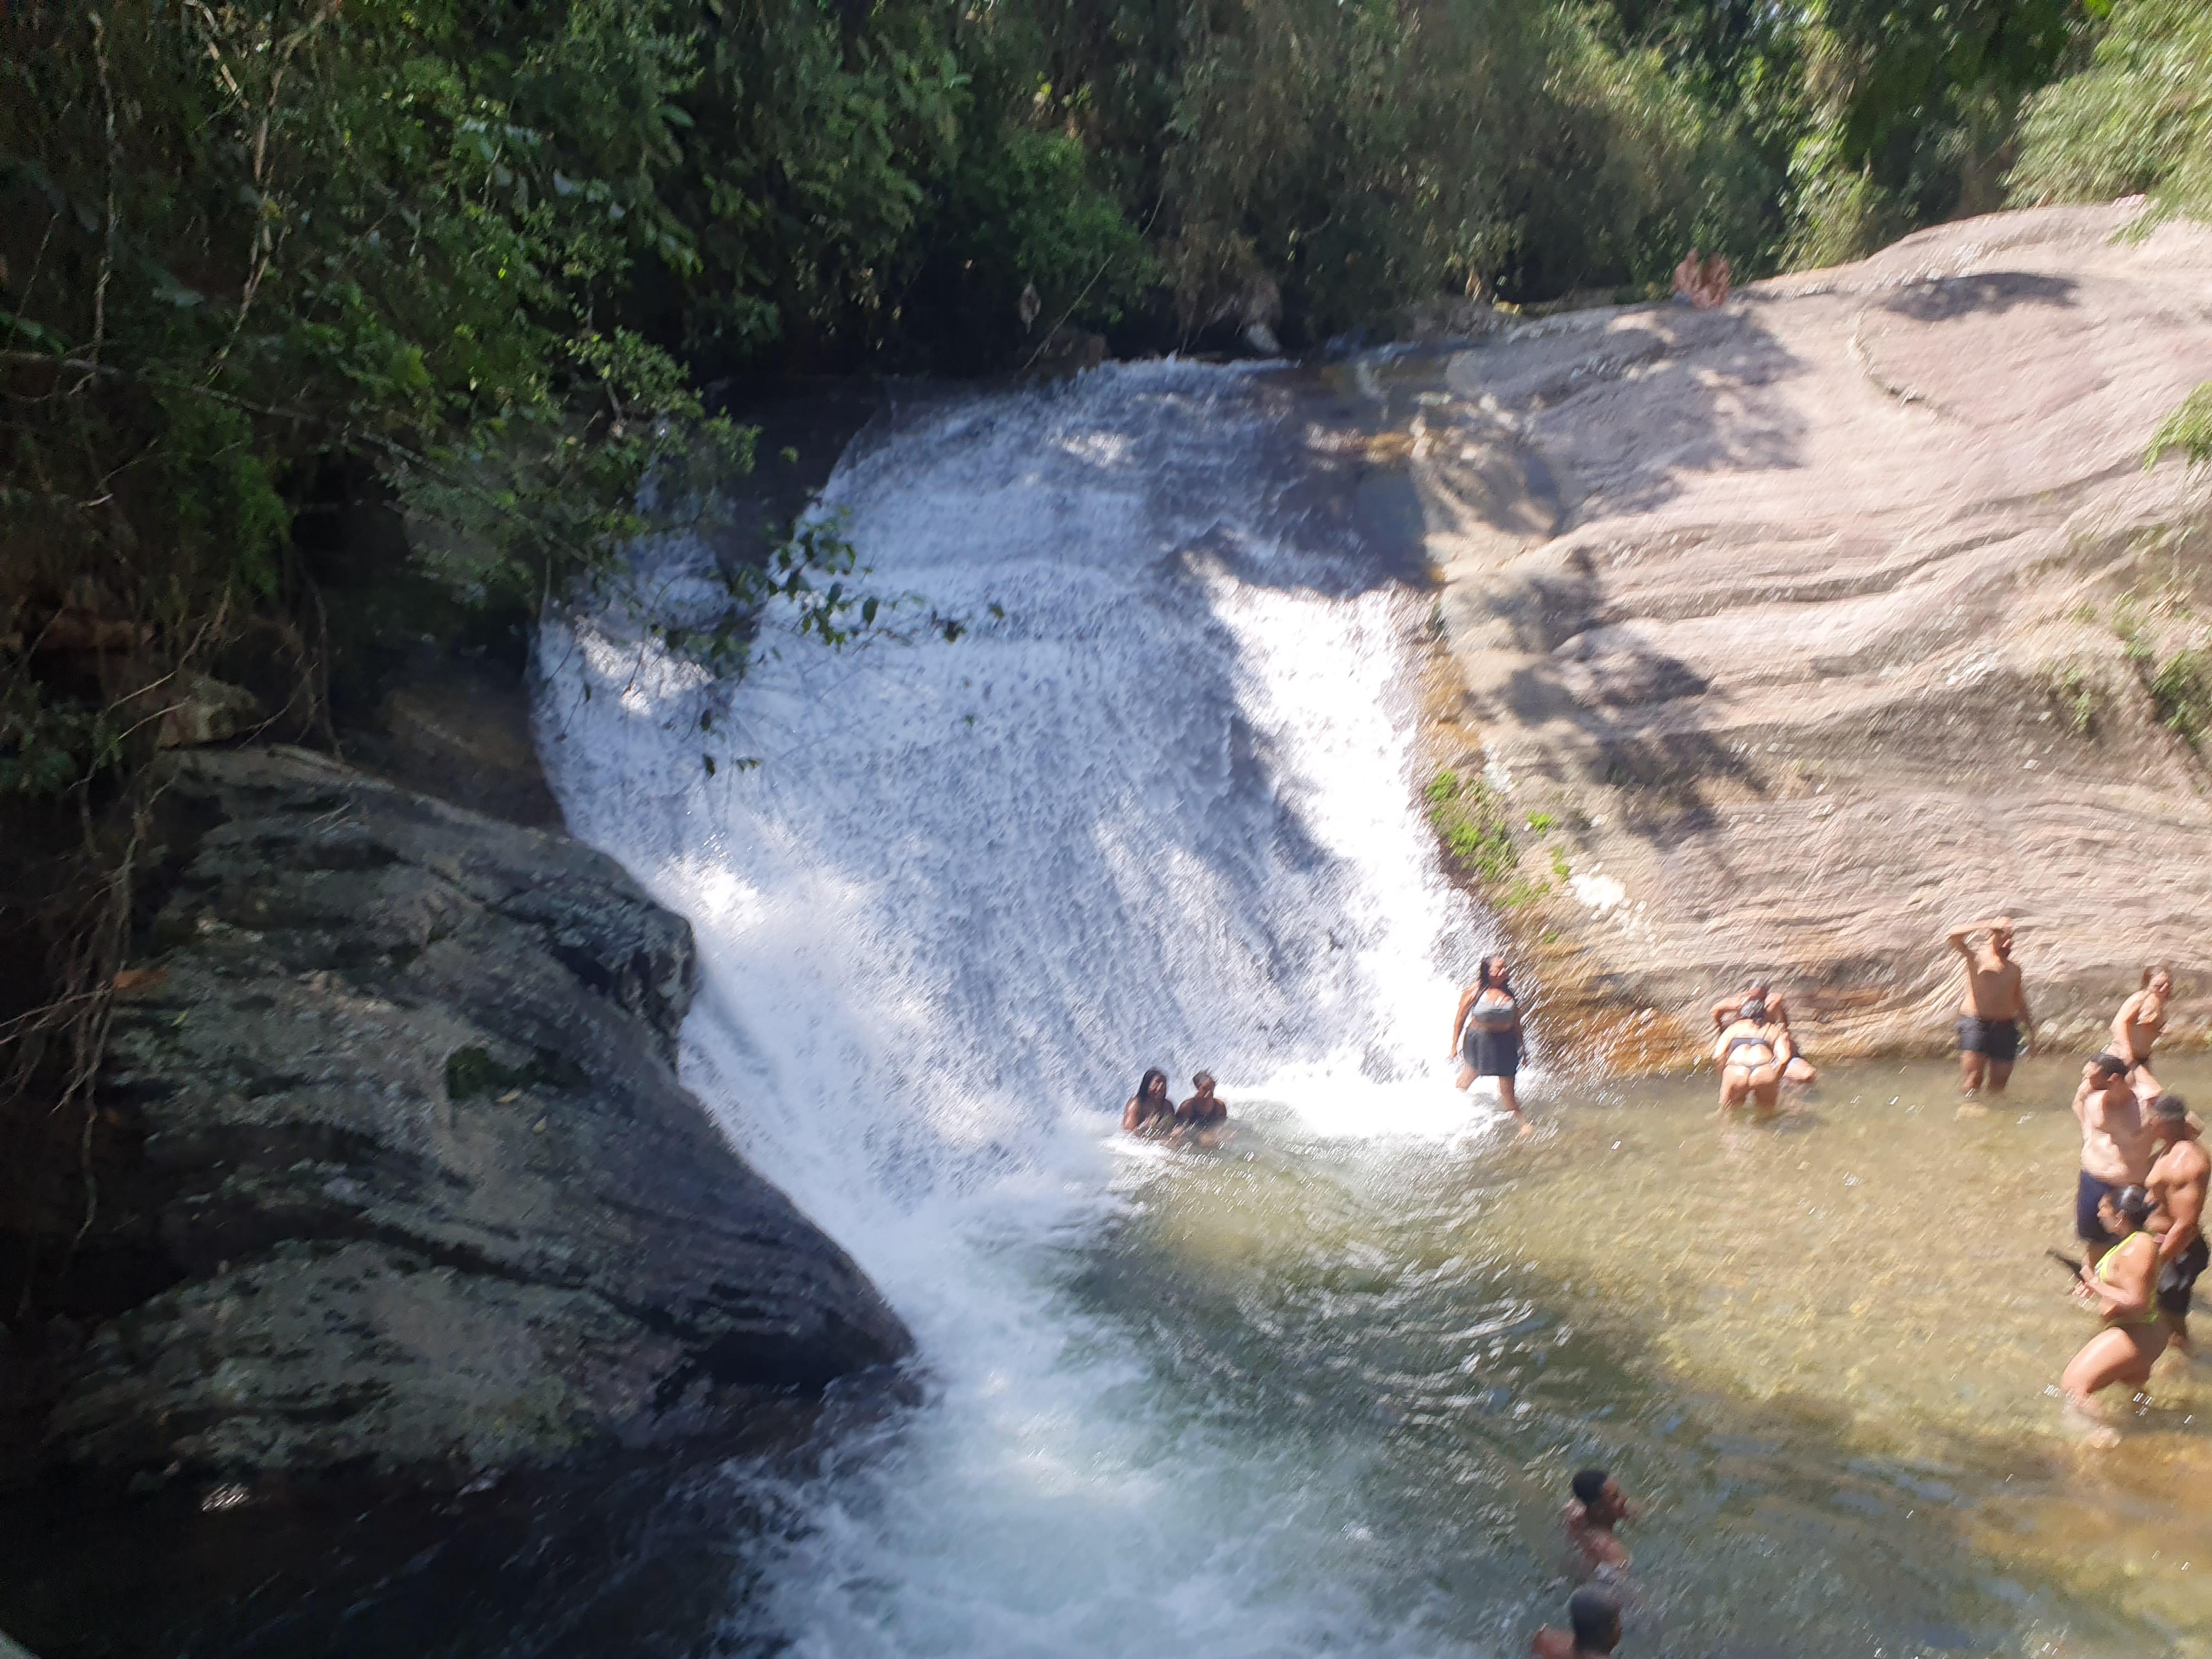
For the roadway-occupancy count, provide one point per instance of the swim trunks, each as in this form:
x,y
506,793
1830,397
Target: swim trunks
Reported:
x,y
1494,1054
1997,1038
2088,1225
2180,1278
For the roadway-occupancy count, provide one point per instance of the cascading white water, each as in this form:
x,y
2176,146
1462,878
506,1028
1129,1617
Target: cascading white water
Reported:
x,y
1159,811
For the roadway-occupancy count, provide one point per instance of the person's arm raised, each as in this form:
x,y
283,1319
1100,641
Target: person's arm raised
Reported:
x,y
1724,1011
1958,936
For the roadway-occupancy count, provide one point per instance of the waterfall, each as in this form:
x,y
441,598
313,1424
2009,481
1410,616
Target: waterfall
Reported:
x,y
1154,807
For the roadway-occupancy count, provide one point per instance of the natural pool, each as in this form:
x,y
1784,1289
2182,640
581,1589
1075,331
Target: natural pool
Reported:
x,y
1822,1351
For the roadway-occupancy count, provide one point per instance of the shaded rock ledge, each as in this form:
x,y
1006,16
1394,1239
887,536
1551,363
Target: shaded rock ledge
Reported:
x,y
416,1154
1811,626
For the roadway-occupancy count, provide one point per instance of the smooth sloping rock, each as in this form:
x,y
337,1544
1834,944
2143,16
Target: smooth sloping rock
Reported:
x,y
1800,617
439,1202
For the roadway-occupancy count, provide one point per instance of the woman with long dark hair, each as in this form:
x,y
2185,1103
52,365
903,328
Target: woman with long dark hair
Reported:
x,y
2123,1287
1150,1112
1486,1033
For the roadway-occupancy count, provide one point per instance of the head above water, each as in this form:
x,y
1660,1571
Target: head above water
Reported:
x,y
1595,1619
2170,1114
2125,1210
1598,1493
1154,1086
2159,980
1203,1083
1494,972
1755,1010
2103,1068
2000,936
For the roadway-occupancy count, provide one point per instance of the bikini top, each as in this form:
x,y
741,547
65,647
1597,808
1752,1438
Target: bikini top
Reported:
x,y
2104,1277
1495,1016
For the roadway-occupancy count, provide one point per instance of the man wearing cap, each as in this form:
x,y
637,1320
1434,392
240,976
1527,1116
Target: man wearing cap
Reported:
x,y
2177,1184
2117,1147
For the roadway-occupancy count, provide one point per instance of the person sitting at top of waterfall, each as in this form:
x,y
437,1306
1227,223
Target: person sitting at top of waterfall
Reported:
x,y
1752,1051
1486,1033
2137,1025
1594,1509
1993,1023
1799,1070
1593,1628
2123,1287
1150,1113
1203,1119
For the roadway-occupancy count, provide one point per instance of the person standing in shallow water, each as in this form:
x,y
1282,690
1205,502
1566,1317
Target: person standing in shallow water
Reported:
x,y
2136,1027
2123,1287
2117,1145
1150,1113
1593,1628
1203,1119
1993,1023
1728,1009
1752,1053
1486,1033
2177,1185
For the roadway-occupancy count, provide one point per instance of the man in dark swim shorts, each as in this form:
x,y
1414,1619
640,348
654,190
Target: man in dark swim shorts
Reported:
x,y
2176,1186
1993,1009
2117,1145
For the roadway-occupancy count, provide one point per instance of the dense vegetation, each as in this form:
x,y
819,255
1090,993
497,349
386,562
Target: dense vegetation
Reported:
x,y
272,270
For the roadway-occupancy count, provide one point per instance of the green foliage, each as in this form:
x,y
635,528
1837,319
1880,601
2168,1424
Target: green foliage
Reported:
x,y
2181,692
2188,429
1470,819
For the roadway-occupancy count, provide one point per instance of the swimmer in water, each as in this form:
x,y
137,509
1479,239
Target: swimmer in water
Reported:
x,y
1487,1034
2117,1145
1203,1119
2123,1287
1752,1052
1150,1113
1593,1628
2176,1186
1993,1023
2137,1025
1726,1010
1596,1507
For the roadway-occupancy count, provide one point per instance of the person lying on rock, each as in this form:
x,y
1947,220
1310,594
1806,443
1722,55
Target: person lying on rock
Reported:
x,y
1203,1119
1150,1113
2123,1288
2137,1025
1596,1507
1753,1051
2117,1145
1593,1628
1799,1070
1993,1023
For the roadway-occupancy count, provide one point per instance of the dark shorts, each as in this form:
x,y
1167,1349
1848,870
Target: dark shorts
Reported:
x,y
1492,1054
2088,1225
2180,1278
1997,1038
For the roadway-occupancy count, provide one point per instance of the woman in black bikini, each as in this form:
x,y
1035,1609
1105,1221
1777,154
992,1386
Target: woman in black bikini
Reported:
x,y
1486,1033
1752,1052
1150,1112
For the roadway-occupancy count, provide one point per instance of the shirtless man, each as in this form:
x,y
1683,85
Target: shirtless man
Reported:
x,y
1799,1070
1203,1119
2138,1024
2177,1183
1993,1023
2116,1147
1596,1507
1593,1628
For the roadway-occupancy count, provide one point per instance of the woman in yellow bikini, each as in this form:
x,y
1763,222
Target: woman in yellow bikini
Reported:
x,y
2124,1284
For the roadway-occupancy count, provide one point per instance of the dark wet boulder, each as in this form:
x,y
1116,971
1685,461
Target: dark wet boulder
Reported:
x,y
415,1160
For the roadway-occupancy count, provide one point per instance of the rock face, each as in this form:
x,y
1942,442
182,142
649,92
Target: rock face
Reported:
x,y
1830,619
437,1202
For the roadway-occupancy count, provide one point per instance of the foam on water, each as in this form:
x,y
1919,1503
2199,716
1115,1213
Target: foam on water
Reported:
x,y
1160,812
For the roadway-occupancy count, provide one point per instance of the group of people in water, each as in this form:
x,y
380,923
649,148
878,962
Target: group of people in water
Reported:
x,y
1200,1120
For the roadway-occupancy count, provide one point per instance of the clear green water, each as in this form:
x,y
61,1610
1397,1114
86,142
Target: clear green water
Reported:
x,y
1822,1352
